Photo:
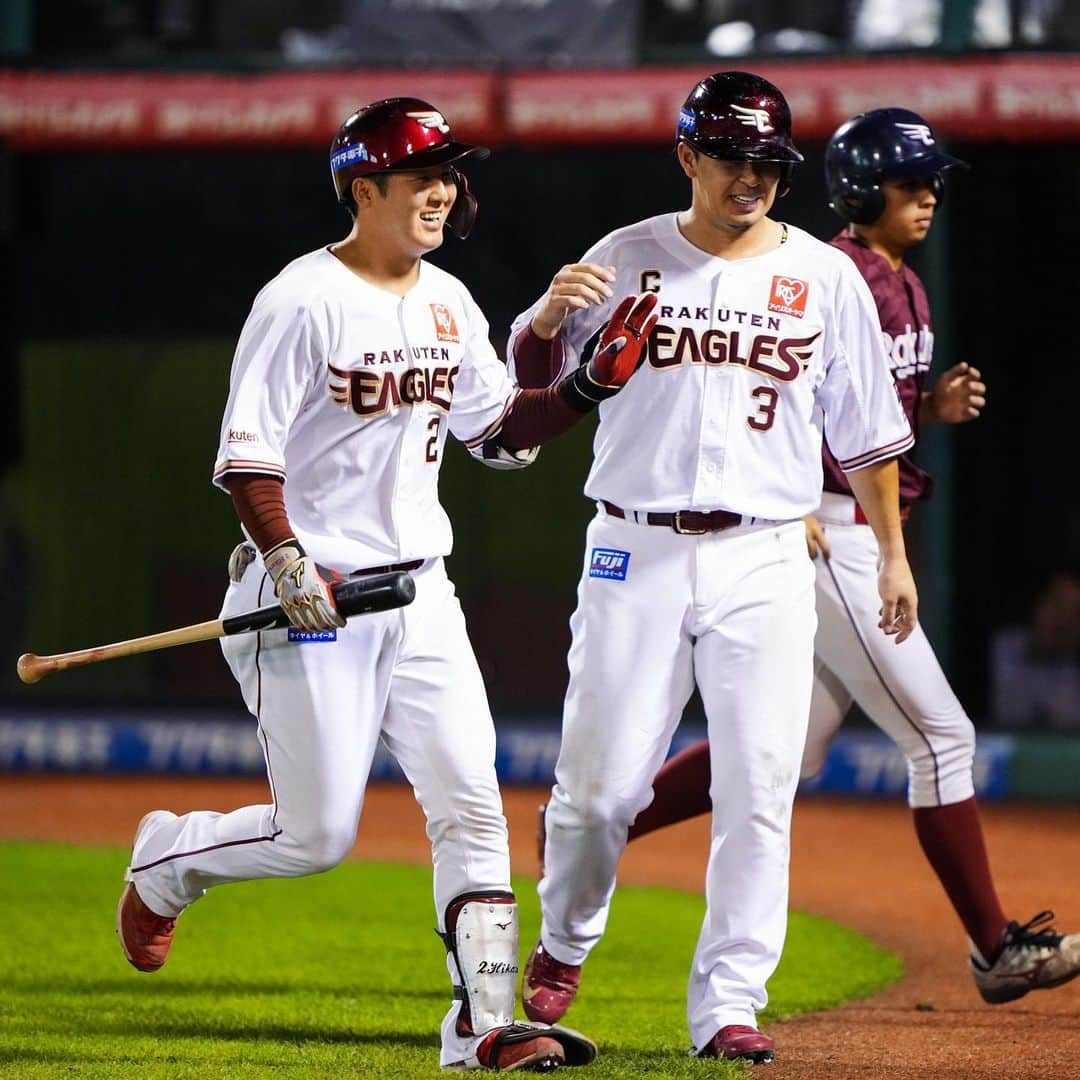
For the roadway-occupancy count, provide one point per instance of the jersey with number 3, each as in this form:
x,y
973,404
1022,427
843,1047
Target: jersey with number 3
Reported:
x,y
751,360
346,392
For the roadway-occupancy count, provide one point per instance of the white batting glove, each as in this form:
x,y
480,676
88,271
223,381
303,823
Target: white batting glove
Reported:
x,y
302,587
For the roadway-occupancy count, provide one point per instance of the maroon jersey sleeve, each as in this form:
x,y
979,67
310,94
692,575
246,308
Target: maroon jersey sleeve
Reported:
x,y
904,312
537,363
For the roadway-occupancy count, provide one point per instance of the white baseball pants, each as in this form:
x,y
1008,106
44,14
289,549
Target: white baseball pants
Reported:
x,y
900,687
408,677
733,611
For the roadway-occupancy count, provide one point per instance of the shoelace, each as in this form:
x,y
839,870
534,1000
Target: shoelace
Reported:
x,y
1036,933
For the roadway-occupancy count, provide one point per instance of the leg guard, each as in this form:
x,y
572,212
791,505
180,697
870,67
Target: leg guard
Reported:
x,y
482,938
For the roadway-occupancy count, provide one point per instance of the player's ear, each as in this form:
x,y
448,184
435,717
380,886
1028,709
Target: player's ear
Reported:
x,y
363,191
687,156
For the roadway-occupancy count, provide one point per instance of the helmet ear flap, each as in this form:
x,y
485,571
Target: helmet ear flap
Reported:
x,y
860,206
937,187
870,207
785,180
865,204
462,214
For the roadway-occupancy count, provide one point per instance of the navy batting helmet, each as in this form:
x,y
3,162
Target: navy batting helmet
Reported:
x,y
737,116
883,144
399,135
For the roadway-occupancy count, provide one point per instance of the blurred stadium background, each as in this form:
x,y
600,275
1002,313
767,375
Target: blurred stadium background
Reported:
x,y
161,159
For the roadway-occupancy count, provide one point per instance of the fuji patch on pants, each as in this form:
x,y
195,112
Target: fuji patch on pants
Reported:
x,y
609,563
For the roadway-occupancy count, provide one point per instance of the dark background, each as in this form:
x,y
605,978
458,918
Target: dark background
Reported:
x,y
157,250
125,278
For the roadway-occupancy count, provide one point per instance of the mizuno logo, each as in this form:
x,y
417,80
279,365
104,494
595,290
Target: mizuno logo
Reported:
x,y
755,118
918,132
431,119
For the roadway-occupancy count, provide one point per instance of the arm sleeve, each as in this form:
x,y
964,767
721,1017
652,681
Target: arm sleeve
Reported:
x,y
486,405
537,417
271,372
260,505
864,420
533,362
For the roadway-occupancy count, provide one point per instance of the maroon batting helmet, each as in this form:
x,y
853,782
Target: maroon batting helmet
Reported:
x,y
737,116
399,135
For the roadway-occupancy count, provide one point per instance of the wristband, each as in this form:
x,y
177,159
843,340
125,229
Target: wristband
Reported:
x,y
281,556
583,393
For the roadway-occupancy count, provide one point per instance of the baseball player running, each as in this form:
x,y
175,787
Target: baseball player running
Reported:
x,y
352,366
695,566
885,176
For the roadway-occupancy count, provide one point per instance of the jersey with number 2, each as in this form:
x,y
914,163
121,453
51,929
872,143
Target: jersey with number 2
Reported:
x,y
346,392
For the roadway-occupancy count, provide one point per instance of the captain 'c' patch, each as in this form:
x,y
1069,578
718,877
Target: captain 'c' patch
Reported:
x,y
788,296
445,327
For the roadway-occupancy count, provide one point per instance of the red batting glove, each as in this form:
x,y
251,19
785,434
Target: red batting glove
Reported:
x,y
617,356
619,349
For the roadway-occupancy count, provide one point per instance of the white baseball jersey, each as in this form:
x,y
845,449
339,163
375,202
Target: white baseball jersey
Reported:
x,y
346,391
750,361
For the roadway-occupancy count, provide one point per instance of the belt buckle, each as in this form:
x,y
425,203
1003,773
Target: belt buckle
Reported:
x,y
677,525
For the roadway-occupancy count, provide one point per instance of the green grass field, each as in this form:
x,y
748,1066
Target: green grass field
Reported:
x,y
338,975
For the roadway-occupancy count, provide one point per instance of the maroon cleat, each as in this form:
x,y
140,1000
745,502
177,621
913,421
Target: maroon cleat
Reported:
x,y
739,1042
145,937
519,1046
548,987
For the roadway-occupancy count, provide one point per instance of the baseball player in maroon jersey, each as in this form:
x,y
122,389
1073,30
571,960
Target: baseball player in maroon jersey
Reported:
x,y
355,363
885,178
695,569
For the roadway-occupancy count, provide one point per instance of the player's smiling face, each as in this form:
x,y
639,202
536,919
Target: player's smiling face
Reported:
x,y
908,214
411,214
732,196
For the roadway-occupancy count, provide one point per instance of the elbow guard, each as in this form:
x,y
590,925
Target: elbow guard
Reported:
x,y
495,456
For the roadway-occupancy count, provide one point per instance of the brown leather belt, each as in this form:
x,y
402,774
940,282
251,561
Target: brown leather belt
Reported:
x,y
393,568
687,522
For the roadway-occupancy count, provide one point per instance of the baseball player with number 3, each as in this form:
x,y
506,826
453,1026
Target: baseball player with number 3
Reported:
x,y
695,568
352,366
885,177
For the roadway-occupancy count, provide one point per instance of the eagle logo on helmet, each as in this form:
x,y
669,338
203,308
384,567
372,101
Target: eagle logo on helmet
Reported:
x,y
430,119
755,118
918,132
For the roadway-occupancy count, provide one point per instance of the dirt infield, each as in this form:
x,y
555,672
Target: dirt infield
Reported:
x,y
856,862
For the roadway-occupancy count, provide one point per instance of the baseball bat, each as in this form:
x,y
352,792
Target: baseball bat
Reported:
x,y
358,596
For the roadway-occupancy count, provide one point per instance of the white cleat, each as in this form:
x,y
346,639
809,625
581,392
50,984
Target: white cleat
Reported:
x,y
1033,957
